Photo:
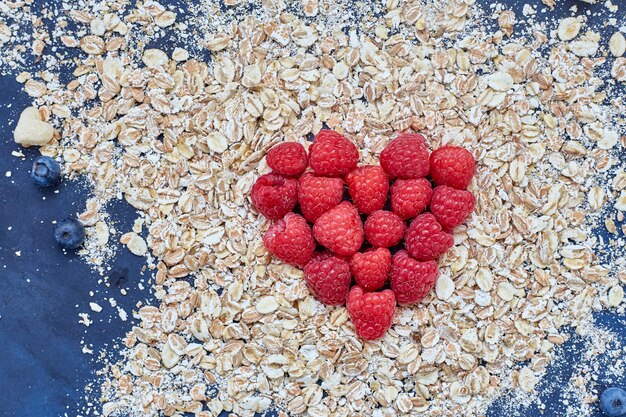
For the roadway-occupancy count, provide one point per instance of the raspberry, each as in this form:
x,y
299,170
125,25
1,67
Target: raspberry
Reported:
x,y
424,239
274,195
451,207
328,277
384,229
452,166
411,280
371,269
372,312
340,230
405,157
317,195
290,239
287,159
332,154
410,197
368,186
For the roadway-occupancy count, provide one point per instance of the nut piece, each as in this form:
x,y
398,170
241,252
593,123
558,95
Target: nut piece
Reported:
x,y
31,130
569,28
617,44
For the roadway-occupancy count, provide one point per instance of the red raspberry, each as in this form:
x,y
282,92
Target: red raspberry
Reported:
x,y
452,166
340,230
290,239
371,269
368,186
424,239
274,195
372,312
405,157
328,277
287,159
410,197
317,195
332,154
411,280
451,207
384,229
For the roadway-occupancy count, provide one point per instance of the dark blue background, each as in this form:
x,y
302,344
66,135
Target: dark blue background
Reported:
x,y
42,369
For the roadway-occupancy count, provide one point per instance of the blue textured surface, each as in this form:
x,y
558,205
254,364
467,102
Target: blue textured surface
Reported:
x,y
42,369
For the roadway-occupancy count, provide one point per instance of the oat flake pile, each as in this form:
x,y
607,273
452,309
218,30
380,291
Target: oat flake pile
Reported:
x,y
181,134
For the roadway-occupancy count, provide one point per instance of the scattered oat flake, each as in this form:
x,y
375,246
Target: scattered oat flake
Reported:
x,y
182,140
95,307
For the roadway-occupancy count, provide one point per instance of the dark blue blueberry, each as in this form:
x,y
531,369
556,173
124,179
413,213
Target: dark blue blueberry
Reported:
x,y
69,233
613,402
46,172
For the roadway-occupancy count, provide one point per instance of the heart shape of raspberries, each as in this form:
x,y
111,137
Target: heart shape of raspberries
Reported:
x,y
397,248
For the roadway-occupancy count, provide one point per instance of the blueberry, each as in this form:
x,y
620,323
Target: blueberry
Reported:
x,y
69,233
46,172
613,402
